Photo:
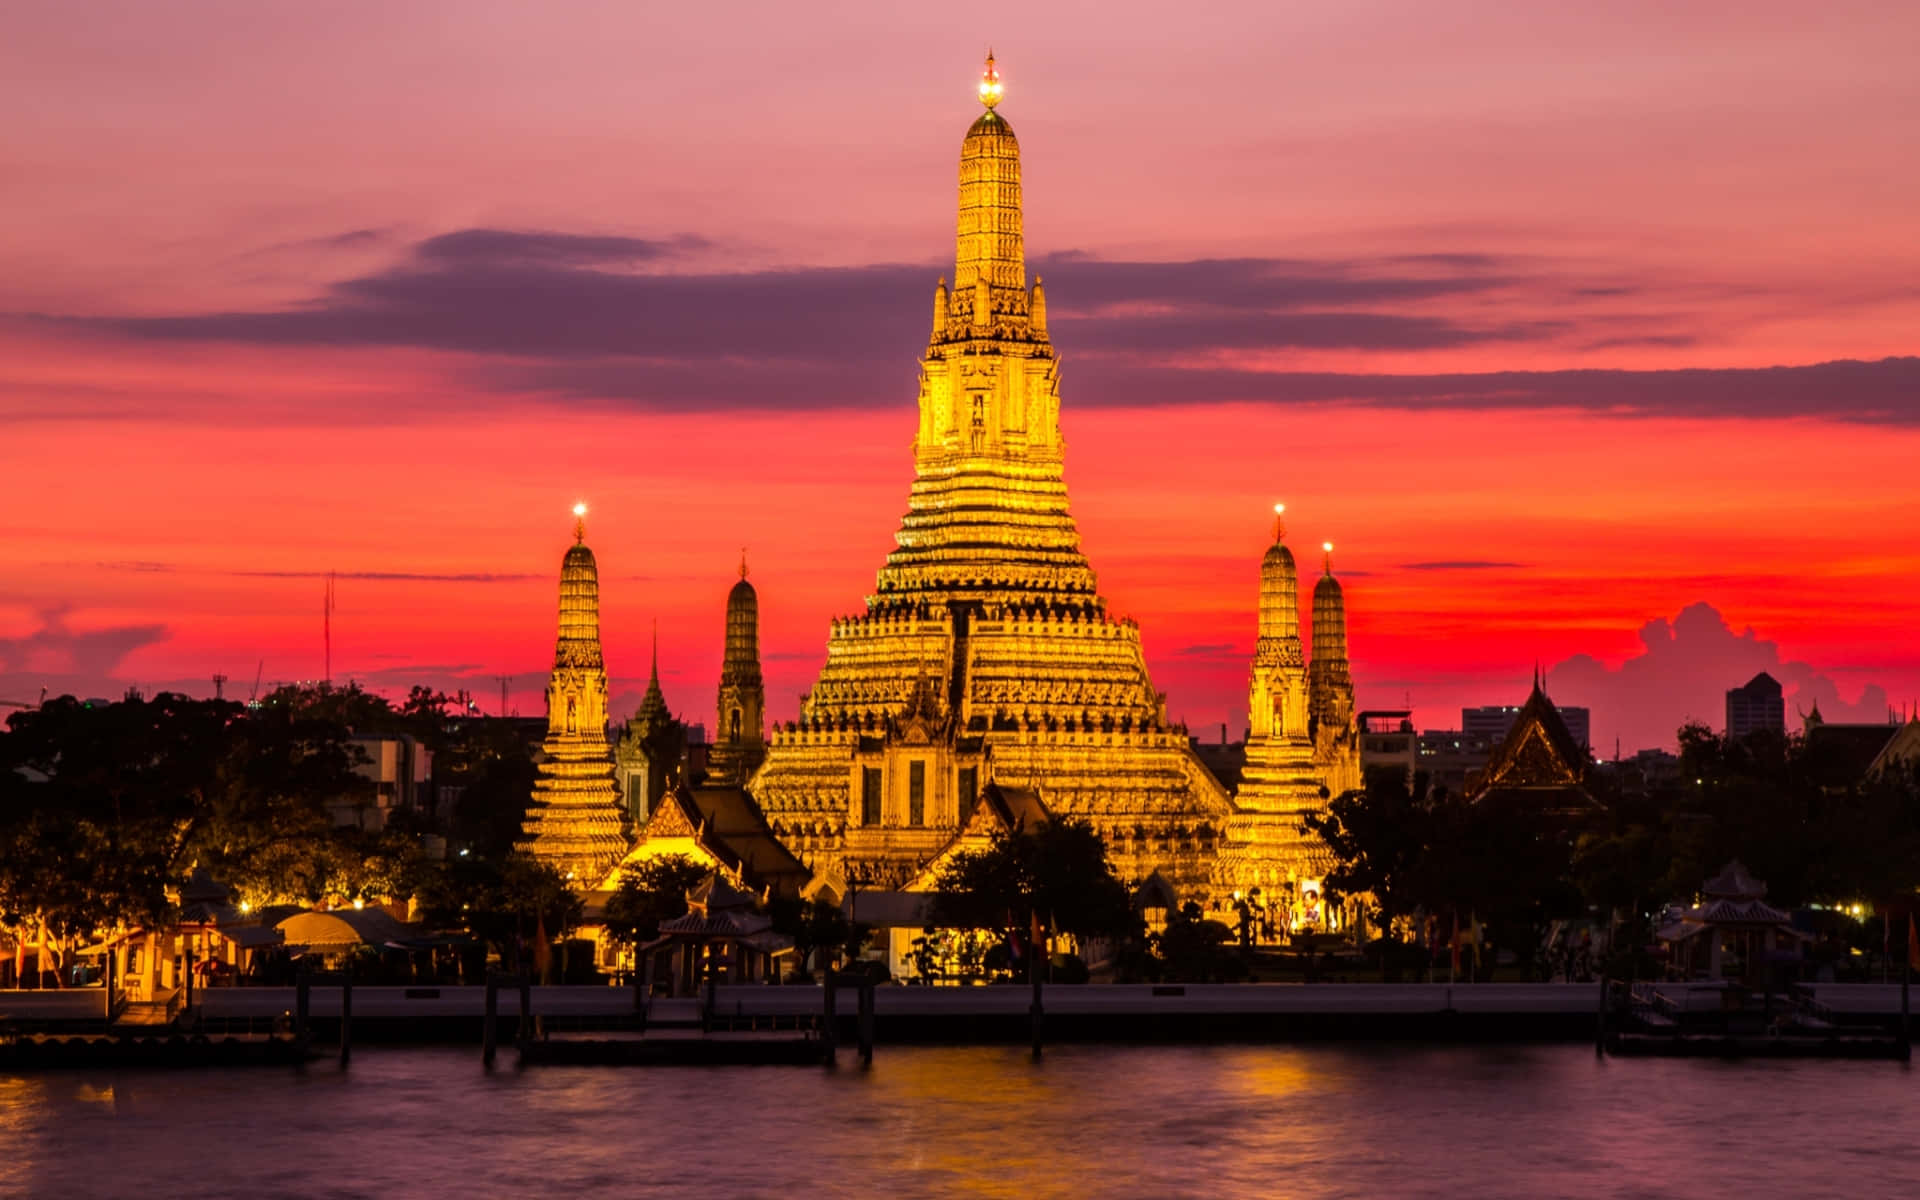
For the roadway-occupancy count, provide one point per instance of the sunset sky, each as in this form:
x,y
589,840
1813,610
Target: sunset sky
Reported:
x,y
1586,332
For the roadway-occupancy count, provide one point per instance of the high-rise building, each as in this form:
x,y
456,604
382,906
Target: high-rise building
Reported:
x,y
1755,706
575,820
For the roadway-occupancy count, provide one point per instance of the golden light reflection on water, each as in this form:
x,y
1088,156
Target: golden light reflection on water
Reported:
x,y
1148,1121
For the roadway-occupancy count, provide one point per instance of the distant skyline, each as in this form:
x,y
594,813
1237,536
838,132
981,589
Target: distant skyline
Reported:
x,y
1585,333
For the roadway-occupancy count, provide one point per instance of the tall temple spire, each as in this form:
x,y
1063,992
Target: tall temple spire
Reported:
x,y
1279,597
988,512
648,757
1329,675
574,821
740,742
1278,783
989,240
985,653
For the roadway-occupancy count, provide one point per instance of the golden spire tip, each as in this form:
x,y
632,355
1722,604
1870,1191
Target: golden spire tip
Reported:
x,y
580,521
990,87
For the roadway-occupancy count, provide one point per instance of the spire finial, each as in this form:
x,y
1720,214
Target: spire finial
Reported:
x,y
580,522
743,562
1326,557
1279,522
656,650
990,83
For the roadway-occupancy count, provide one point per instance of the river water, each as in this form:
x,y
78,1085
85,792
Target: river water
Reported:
x,y
1330,1120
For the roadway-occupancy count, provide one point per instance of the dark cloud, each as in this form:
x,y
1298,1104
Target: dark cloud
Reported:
x,y
352,239
553,315
1883,392
1672,341
496,246
393,576
1460,564
373,576
558,295
1682,674
57,652
1206,650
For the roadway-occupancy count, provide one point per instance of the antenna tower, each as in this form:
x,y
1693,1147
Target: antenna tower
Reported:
x,y
326,627
219,686
505,680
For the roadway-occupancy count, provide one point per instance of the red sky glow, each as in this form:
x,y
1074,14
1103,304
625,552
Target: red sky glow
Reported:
x,y
1585,332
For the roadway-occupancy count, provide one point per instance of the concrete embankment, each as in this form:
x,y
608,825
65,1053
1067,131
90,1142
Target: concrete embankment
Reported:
x,y
1143,1012
1112,1013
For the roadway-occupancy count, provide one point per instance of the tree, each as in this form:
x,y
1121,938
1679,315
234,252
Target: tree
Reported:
x,y
508,904
1505,864
1380,835
651,891
105,810
1056,876
1194,949
813,925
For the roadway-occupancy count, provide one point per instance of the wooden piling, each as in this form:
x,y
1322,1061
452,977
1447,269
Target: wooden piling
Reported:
x,y
866,1022
489,1024
302,995
1906,1026
1036,1012
526,1030
346,1019
829,1020
1600,1021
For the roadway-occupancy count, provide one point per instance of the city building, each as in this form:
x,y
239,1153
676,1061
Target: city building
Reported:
x,y
1756,706
1449,757
1388,741
400,769
1488,724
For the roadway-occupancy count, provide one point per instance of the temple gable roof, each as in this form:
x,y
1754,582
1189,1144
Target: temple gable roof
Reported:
x,y
998,810
1539,755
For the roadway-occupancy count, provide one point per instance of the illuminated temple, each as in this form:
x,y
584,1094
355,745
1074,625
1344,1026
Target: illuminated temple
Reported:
x,y
575,821
986,652
984,665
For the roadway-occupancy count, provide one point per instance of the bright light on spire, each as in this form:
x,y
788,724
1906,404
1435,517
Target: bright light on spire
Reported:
x,y
990,88
1327,546
580,509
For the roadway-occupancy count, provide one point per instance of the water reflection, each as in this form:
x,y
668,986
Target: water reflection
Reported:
x,y
1149,1121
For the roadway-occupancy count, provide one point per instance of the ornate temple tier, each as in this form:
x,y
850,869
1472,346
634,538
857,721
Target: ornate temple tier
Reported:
x,y
986,652
575,821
